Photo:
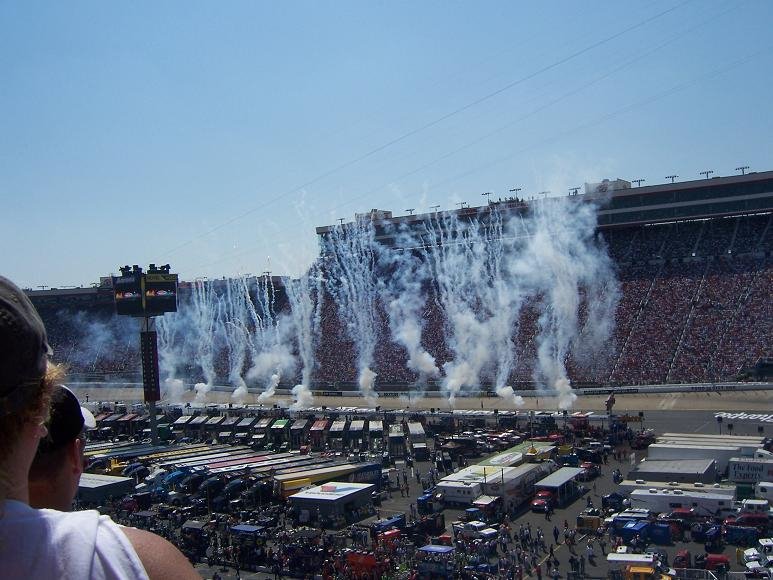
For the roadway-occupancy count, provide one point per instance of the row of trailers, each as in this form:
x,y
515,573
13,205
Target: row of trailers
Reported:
x,y
318,435
289,471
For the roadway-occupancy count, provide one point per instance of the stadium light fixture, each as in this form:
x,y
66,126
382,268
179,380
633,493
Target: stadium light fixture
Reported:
x,y
461,204
638,182
707,172
434,208
671,177
487,196
574,190
742,169
411,210
545,193
341,221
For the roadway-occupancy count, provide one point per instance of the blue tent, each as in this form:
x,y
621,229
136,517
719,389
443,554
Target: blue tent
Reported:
x,y
632,529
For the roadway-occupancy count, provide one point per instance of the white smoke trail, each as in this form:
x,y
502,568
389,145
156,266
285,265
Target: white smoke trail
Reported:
x,y
172,390
204,316
562,259
270,389
302,397
271,343
305,296
480,298
352,254
404,294
235,310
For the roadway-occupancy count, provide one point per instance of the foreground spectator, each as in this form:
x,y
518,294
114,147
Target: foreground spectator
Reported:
x,y
47,543
59,462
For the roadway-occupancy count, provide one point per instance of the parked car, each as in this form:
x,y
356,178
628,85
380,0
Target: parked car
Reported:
x,y
542,502
589,471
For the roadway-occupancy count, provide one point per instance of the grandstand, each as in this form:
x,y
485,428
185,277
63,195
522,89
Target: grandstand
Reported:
x,y
693,258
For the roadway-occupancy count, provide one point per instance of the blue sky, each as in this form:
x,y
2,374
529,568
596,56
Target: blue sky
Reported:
x,y
216,136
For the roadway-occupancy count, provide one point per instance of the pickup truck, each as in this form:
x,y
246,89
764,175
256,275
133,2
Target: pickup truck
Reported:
x,y
474,530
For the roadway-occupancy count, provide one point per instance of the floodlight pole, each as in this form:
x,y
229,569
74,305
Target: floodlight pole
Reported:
x,y
742,169
638,182
671,177
707,172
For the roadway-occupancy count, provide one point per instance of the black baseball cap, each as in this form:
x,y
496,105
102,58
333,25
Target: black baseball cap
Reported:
x,y
66,420
24,348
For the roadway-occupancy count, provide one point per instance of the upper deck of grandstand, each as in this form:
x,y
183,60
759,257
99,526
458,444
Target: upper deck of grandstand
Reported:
x,y
622,205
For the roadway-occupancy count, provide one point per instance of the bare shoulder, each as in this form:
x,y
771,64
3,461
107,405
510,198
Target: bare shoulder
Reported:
x,y
160,558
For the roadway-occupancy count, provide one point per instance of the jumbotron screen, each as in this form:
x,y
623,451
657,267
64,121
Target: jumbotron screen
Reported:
x,y
128,294
160,294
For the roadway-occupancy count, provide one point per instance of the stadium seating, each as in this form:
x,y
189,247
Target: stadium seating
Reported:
x,y
695,306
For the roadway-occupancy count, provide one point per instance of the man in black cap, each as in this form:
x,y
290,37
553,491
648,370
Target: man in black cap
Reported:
x,y
46,543
59,462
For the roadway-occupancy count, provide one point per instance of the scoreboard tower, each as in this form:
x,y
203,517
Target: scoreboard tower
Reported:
x,y
146,295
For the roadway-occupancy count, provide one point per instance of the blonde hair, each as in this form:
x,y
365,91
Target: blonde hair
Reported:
x,y
36,409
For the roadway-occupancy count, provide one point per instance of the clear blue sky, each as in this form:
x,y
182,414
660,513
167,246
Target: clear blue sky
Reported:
x,y
216,136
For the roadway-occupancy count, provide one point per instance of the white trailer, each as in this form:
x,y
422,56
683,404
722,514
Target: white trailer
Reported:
x,y
416,433
666,451
664,501
629,485
745,448
459,492
730,440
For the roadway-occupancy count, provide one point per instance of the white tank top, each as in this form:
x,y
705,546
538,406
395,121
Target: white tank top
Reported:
x,y
43,544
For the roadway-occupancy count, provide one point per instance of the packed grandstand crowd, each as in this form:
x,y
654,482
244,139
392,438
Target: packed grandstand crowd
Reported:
x,y
695,306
